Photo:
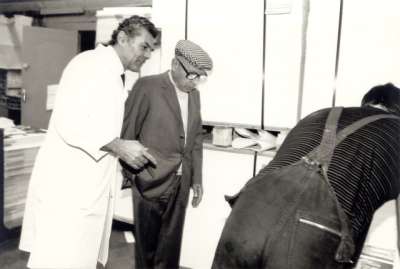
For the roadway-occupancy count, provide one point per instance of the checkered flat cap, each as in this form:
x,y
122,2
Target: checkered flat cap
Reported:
x,y
194,54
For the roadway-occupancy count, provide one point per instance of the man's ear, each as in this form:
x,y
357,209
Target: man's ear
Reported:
x,y
122,38
174,63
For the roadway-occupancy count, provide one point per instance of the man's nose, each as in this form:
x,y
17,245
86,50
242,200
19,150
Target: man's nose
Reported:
x,y
147,54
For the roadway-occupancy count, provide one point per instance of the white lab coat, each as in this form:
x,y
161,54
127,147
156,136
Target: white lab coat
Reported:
x,y
69,208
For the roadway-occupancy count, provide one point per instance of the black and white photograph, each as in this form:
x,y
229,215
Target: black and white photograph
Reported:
x,y
199,134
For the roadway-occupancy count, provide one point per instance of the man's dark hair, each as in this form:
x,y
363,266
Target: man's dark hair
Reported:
x,y
132,26
386,95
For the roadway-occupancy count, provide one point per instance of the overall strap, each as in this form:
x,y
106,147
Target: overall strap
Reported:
x,y
328,142
323,153
360,123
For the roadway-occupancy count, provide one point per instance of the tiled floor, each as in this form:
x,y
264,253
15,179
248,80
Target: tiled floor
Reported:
x,y
121,255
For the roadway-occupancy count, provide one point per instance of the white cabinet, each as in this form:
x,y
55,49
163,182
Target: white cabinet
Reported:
x,y
123,208
283,59
319,75
256,52
381,241
369,51
223,173
231,31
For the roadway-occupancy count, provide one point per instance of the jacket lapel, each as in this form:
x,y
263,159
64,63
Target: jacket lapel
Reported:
x,y
191,112
171,97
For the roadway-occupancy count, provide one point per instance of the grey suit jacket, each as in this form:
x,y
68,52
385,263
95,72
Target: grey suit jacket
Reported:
x,y
152,116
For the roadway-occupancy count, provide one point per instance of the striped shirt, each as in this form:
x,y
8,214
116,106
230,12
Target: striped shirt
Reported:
x,y
365,168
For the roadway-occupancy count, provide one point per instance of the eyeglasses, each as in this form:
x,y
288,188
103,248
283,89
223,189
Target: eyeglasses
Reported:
x,y
191,75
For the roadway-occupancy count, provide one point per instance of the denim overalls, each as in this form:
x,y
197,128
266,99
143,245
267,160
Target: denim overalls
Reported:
x,y
290,217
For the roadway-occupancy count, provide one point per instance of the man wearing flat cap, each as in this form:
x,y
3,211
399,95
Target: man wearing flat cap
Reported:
x,y
163,113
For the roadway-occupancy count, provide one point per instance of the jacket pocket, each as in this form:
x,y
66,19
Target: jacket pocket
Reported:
x,y
319,226
314,242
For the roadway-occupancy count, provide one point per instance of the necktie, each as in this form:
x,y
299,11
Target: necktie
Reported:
x,y
123,79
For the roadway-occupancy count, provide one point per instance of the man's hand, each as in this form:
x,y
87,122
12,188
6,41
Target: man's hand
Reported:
x,y
197,194
131,152
135,154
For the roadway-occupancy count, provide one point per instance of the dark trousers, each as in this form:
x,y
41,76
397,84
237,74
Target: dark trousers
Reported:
x,y
158,228
284,220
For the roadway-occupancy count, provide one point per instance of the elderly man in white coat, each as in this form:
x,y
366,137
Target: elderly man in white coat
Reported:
x,y
69,208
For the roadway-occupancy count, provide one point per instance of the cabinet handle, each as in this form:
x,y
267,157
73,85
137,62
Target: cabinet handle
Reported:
x,y
23,95
25,66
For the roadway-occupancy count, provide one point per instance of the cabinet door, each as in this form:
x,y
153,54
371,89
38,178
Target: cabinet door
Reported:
x,y
46,52
231,31
369,52
224,173
319,76
283,53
